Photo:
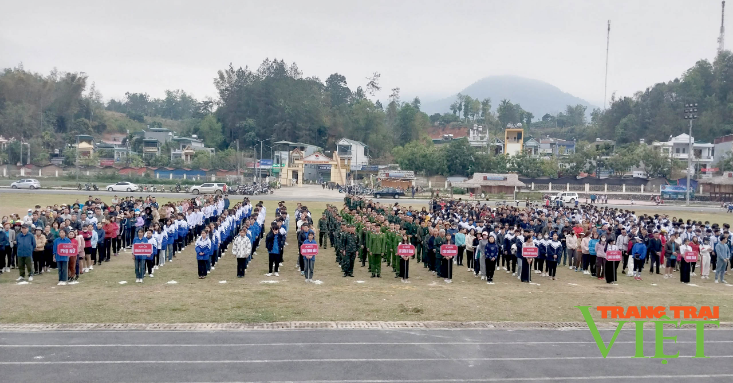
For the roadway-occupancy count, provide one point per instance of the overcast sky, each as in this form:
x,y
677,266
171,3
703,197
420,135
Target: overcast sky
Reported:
x,y
428,48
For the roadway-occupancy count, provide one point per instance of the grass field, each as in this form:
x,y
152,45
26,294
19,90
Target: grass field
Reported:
x,y
100,298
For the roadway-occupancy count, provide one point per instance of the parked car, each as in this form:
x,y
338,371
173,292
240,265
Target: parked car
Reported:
x,y
566,197
28,183
122,186
210,188
387,192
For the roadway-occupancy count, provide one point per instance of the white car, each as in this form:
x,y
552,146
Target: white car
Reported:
x,y
210,188
566,197
122,186
26,184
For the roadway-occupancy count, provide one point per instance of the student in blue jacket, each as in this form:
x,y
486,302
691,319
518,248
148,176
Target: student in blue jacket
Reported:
x,y
139,257
62,261
554,253
638,252
203,251
594,239
309,263
491,253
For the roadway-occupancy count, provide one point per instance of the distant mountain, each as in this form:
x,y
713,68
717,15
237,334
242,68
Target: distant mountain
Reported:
x,y
535,96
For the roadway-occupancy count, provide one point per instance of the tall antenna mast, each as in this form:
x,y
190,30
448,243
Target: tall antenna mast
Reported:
x,y
721,38
605,85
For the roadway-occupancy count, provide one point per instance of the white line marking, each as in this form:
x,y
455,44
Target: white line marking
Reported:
x,y
360,360
537,379
332,344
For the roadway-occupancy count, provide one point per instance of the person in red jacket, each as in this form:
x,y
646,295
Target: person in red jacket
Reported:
x,y
110,232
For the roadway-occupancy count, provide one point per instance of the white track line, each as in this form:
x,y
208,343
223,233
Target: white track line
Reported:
x,y
265,361
311,344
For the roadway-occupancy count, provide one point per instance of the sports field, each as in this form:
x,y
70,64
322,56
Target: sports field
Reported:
x,y
101,298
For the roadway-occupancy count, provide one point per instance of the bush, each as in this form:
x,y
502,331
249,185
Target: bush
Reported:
x,y
459,190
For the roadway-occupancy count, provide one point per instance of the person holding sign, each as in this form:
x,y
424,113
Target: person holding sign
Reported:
x,y
309,259
526,261
139,256
612,254
62,259
404,259
203,252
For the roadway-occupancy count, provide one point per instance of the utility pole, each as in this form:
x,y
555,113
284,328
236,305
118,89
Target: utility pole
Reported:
x,y
690,114
721,38
605,83
237,160
76,158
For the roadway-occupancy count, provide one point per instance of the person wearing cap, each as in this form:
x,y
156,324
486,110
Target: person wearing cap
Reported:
x,y
25,242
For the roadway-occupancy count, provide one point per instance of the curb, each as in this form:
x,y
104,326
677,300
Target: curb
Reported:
x,y
357,325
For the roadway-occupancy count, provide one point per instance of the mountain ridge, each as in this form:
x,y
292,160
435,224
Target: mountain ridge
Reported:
x,y
535,96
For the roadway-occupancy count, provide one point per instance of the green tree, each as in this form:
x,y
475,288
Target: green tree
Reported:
x,y
459,157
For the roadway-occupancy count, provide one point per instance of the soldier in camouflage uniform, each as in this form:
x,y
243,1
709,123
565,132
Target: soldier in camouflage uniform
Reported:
x,y
350,246
376,249
323,231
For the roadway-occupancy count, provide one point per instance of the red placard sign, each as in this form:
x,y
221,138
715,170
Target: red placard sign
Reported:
x,y
690,256
405,250
448,251
66,249
142,249
614,255
530,252
309,250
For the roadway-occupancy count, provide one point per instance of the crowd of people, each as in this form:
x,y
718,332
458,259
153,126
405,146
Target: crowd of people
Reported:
x,y
100,232
489,240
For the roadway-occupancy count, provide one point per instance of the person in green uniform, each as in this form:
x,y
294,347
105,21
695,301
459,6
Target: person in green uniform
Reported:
x,y
363,231
349,252
322,231
376,249
439,241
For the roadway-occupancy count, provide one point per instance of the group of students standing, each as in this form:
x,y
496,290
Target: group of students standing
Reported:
x,y
491,239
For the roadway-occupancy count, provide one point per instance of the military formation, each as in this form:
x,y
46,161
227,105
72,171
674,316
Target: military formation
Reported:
x,y
369,233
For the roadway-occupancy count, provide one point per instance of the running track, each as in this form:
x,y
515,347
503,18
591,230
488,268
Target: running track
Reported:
x,y
420,355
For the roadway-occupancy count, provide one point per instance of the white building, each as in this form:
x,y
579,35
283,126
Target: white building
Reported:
x,y
354,151
678,148
723,147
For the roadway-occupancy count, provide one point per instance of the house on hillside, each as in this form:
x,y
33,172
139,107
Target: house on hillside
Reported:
x,y
555,147
84,145
353,151
187,148
678,147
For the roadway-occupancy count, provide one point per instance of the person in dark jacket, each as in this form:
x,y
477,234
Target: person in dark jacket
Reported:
x,y
302,237
655,249
26,243
491,253
274,242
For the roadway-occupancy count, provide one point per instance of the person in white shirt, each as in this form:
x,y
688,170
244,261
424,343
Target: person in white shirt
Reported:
x,y
242,249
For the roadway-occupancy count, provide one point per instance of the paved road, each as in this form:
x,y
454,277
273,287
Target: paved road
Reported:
x,y
354,355
305,194
310,193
